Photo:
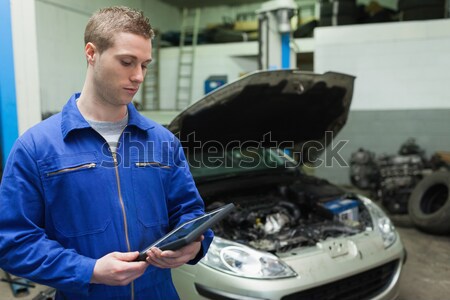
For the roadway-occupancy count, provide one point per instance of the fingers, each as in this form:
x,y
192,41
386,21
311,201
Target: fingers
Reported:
x,y
174,259
126,256
190,249
155,258
118,268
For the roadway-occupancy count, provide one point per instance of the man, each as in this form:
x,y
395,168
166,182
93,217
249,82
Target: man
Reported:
x,y
84,190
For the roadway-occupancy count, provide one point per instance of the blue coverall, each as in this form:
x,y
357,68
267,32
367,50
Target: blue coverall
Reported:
x,y
66,201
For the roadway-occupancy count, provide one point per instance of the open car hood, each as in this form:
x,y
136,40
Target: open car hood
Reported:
x,y
276,108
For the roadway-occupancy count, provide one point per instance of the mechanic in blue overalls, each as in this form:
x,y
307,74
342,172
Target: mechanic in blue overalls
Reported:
x,y
84,190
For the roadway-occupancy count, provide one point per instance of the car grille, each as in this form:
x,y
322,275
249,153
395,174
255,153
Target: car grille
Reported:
x,y
360,286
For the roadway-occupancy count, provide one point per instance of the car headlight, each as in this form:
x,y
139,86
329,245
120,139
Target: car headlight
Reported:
x,y
240,260
381,221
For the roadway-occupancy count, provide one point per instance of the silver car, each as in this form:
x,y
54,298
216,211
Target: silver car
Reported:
x,y
292,235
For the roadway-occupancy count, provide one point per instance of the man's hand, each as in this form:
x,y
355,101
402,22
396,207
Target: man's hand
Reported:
x,y
174,259
118,268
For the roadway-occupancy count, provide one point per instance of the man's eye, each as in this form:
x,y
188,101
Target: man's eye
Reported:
x,y
144,67
125,63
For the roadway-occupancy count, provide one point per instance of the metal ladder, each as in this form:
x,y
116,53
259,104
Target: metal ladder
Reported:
x,y
150,91
189,25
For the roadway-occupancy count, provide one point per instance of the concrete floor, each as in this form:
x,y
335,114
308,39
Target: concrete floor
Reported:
x,y
6,293
426,274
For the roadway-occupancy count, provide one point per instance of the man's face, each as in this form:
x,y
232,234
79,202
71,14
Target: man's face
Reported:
x,y
120,69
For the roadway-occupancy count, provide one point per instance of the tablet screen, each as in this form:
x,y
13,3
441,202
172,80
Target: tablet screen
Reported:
x,y
185,229
188,231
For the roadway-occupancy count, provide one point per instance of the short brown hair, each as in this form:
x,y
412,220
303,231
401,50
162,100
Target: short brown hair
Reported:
x,y
103,24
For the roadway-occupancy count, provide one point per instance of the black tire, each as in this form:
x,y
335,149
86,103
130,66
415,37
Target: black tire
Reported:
x,y
340,9
409,4
425,13
429,203
339,20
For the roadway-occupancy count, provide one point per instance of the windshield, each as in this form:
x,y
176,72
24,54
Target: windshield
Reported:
x,y
238,161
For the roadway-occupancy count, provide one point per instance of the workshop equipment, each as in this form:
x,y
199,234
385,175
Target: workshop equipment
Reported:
x,y
275,35
19,286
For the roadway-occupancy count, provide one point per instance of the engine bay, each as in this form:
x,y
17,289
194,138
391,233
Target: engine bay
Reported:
x,y
287,217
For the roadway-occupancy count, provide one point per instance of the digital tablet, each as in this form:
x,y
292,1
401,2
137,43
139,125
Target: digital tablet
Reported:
x,y
188,231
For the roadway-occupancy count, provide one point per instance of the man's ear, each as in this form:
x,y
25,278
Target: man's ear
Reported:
x,y
91,53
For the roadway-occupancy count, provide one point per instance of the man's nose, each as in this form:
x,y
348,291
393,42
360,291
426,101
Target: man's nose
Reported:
x,y
138,75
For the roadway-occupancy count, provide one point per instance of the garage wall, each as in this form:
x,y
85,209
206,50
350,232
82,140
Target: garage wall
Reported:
x,y
402,65
402,86
60,28
162,16
60,52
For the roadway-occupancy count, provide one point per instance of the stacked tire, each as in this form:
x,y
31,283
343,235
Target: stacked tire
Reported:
x,y
422,9
429,203
338,12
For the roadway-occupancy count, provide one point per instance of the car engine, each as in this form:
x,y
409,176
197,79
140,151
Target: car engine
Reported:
x,y
399,174
275,223
391,178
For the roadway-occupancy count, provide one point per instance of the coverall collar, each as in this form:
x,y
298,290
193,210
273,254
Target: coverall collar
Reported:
x,y
72,119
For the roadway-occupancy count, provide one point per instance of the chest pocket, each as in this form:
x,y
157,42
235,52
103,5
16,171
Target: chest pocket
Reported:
x,y
150,182
77,193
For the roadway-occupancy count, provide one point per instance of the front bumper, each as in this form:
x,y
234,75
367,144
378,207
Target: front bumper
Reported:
x,y
367,270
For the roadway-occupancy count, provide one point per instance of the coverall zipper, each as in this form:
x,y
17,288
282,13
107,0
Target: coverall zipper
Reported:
x,y
85,166
151,164
116,167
